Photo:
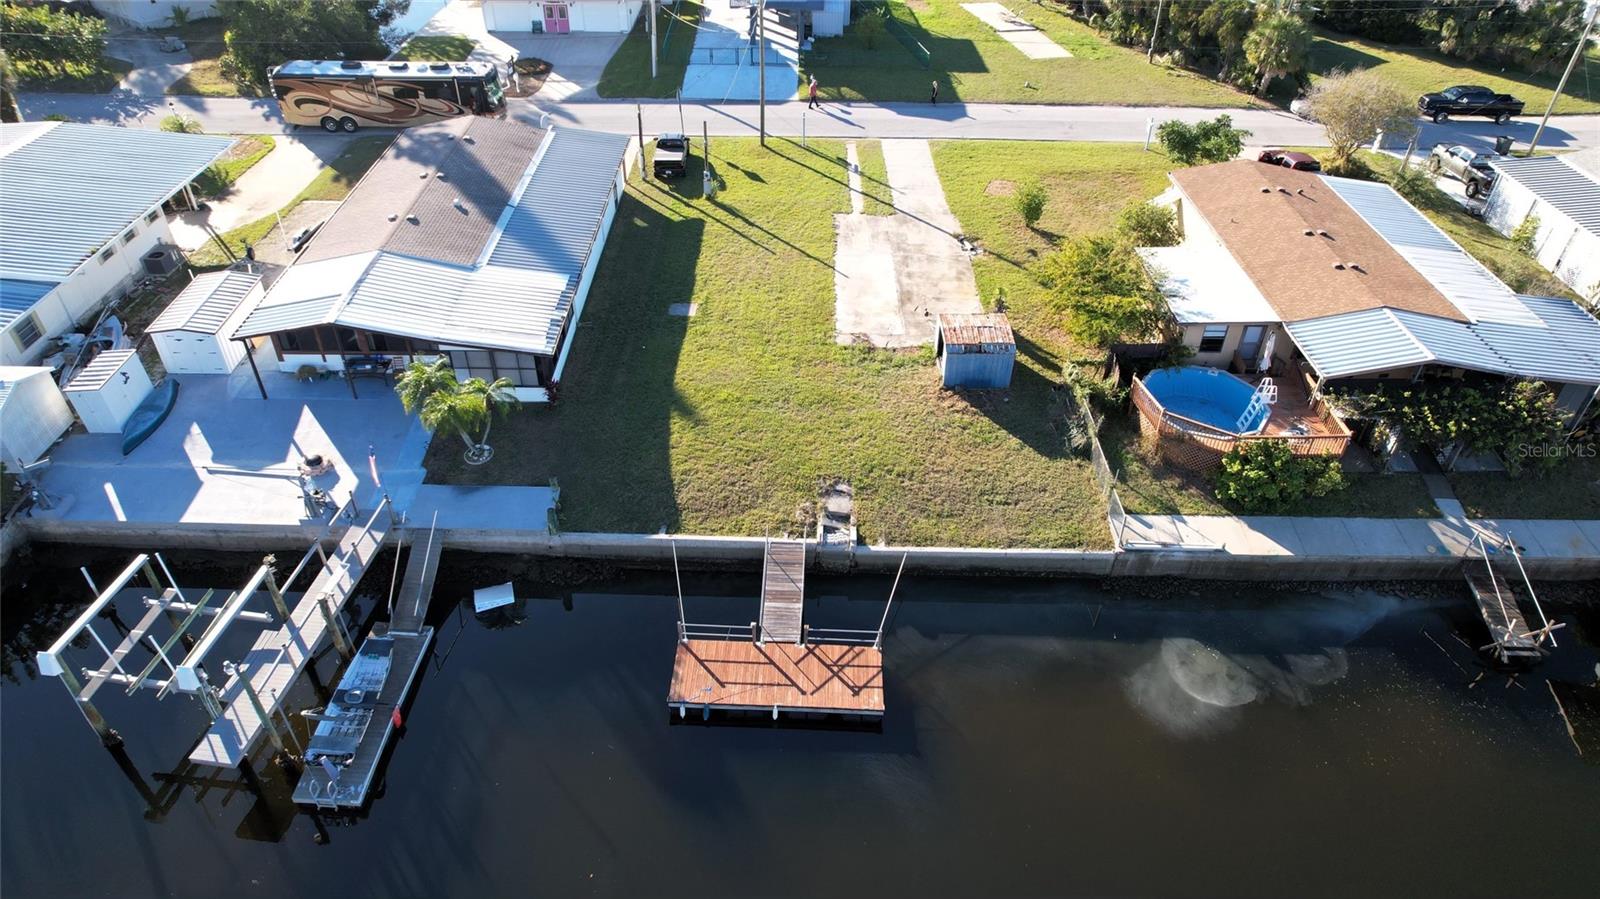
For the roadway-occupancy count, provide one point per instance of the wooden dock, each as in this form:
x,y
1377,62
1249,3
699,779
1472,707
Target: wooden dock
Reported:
x,y
783,590
316,788
1497,603
416,587
279,656
738,675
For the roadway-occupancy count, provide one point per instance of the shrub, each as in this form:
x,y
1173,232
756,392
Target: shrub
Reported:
x,y
1102,286
1412,182
870,26
1213,141
1355,106
1505,420
180,124
1149,225
1266,476
1029,202
1523,235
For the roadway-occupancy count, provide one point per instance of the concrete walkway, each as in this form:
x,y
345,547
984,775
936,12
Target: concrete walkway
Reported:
x,y
724,66
1017,31
267,187
894,275
153,70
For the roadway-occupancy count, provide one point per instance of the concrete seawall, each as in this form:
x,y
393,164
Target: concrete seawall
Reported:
x,y
657,550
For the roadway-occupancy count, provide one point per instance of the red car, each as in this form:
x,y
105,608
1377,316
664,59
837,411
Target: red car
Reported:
x,y
1289,159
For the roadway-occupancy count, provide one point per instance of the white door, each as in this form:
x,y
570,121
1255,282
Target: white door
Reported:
x,y
193,354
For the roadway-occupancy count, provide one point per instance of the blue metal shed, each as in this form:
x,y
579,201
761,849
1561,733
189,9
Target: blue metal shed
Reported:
x,y
976,350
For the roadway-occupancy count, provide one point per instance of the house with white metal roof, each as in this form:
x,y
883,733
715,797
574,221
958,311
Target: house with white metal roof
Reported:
x,y
79,212
472,238
1340,280
1563,194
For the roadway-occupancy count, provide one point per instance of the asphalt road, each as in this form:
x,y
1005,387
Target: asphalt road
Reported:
x,y
875,120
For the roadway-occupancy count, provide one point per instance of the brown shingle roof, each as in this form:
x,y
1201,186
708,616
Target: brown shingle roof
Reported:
x,y
1262,212
481,161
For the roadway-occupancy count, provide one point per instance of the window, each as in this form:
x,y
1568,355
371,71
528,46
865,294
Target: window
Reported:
x,y
1212,339
107,253
151,216
27,331
521,369
129,235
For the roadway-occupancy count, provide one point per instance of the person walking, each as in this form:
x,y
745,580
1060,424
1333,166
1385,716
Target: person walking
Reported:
x,y
934,97
813,104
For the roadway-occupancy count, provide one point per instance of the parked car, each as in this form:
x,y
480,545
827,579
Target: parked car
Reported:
x,y
1290,159
672,156
1465,165
1301,107
1469,99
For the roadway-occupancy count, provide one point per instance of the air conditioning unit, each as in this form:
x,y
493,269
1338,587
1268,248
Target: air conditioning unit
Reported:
x,y
162,261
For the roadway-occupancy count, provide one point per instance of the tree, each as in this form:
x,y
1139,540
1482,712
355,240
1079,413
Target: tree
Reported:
x,y
870,26
1149,225
265,33
1517,420
442,402
1228,23
1354,107
9,111
1029,202
42,39
1278,45
181,124
1267,476
1102,286
1213,141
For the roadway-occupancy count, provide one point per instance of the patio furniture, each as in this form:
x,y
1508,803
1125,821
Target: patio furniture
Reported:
x,y
367,367
308,373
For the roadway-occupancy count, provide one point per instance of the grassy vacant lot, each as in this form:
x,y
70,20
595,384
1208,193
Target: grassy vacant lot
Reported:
x,y
877,199
628,72
448,47
76,79
204,39
1570,489
974,64
1419,71
727,421
332,183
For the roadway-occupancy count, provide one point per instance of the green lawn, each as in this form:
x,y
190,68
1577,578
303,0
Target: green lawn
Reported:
x,y
204,39
974,64
1419,71
628,72
332,183
76,79
726,422
220,175
874,179
447,47
1569,489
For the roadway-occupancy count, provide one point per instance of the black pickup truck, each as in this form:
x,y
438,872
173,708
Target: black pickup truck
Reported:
x,y
1467,99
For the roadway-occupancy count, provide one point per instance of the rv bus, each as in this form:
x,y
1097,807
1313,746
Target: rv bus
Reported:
x,y
343,95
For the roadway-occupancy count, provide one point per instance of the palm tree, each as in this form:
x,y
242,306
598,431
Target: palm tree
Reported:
x,y
444,403
1278,45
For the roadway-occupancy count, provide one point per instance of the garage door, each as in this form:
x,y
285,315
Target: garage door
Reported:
x,y
191,354
509,15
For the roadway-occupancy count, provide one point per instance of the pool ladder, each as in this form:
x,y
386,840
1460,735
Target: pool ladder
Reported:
x,y
1266,394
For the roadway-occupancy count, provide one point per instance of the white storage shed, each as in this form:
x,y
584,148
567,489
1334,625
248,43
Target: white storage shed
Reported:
x,y
1566,202
107,391
193,332
33,413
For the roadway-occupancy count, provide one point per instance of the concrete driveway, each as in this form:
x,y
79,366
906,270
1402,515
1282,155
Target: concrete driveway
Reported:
x,y
576,60
267,187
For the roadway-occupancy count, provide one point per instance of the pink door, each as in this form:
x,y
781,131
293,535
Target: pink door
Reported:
x,y
555,19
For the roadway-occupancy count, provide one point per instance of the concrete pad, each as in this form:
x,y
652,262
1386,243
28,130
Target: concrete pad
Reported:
x,y
1555,539
576,60
866,293
482,508
1325,536
723,65
267,187
1374,537
1019,32
1255,535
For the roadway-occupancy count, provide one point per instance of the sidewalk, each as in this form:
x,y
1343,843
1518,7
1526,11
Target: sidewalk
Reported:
x,y
267,187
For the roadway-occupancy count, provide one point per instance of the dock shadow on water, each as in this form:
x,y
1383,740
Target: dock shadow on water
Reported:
x,y
1041,737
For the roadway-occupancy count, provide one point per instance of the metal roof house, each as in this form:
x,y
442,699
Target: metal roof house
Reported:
x,y
474,239
1343,280
80,210
1563,193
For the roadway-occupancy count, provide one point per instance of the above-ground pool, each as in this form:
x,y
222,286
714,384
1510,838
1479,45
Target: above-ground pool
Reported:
x,y
1208,395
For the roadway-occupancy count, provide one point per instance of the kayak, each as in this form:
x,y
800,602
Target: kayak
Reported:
x,y
149,415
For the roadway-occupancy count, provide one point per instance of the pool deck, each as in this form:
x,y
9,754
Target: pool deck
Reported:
x,y
1293,413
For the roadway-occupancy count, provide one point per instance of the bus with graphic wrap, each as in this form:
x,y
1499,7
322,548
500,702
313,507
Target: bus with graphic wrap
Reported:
x,y
343,95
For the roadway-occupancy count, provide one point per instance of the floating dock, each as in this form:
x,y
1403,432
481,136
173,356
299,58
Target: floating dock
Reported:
x,y
358,726
778,664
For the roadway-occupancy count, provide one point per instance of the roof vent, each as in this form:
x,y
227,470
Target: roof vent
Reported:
x,y
412,218
1322,233
439,175
1308,232
467,138
422,174
394,216
1283,190
1339,266
1302,192
459,205
1355,267
350,64
1266,190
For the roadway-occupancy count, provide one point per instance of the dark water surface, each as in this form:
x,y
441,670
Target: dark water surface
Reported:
x,y
1219,742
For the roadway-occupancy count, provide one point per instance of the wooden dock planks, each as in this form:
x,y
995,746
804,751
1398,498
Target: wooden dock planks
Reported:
x,y
737,674
416,587
1498,606
783,589
278,656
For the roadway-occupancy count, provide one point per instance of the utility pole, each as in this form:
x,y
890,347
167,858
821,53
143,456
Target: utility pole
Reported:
x,y
1151,55
652,39
761,48
1571,64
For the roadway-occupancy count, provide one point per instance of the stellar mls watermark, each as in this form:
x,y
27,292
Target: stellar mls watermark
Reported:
x,y
1557,450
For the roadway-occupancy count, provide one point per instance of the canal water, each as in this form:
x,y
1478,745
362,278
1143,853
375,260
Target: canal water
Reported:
x,y
1064,738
